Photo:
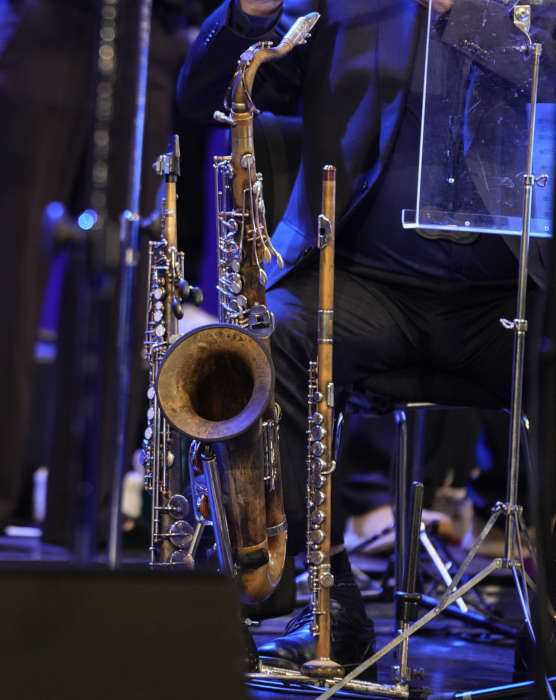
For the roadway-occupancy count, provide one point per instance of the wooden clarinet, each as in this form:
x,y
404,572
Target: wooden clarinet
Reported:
x,y
320,456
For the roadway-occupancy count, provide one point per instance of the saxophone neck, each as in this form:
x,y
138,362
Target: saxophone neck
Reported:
x,y
239,98
168,166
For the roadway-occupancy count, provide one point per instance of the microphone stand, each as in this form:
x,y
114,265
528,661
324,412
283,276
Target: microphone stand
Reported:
x,y
129,247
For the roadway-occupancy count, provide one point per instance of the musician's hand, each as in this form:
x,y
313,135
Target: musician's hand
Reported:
x,y
440,6
259,7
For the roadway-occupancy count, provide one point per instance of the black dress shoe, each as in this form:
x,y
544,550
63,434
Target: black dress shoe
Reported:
x,y
352,641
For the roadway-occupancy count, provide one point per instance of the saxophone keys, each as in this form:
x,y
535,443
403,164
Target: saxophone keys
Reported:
x,y
177,309
241,302
184,289
178,506
233,283
180,534
182,558
260,320
246,161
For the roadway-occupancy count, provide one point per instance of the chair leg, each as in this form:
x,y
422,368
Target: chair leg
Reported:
x,y
400,495
418,438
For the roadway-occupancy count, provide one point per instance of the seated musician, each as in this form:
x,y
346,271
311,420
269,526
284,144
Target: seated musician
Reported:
x,y
402,300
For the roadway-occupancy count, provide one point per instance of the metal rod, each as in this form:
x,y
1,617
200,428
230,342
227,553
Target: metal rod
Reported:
x,y
217,512
499,691
400,495
520,322
130,251
416,500
439,564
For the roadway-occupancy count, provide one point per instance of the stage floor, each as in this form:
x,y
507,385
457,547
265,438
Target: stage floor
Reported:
x,y
454,655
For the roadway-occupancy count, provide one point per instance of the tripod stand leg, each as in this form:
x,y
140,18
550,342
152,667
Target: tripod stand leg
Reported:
x,y
496,511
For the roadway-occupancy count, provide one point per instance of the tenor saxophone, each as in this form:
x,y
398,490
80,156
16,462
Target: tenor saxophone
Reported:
x,y
216,384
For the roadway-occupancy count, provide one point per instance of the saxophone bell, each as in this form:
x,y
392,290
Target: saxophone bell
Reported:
x,y
215,382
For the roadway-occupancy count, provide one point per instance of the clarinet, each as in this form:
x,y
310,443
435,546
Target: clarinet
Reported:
x,y
319,459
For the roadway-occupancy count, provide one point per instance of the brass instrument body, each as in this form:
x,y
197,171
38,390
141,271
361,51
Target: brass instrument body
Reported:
x,y
252,463
208,385
320,448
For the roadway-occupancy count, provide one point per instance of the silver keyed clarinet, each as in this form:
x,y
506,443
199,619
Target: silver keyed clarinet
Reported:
x,y
167,290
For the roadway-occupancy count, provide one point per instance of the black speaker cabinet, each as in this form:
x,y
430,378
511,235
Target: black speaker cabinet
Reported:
x,y
102,635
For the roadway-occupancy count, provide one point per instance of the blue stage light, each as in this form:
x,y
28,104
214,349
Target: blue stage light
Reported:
x,y
54,211
87,219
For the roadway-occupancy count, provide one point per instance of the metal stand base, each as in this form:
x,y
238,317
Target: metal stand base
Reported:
x,y
453,592
523,689
272,676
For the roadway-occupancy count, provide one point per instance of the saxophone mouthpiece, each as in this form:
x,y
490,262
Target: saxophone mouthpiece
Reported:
x,y
299,31
176,148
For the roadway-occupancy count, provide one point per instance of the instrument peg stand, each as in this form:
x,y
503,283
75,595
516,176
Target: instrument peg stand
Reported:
x,y
217,511
407,599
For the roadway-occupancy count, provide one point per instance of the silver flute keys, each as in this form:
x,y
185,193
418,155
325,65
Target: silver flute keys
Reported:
x,y
319,469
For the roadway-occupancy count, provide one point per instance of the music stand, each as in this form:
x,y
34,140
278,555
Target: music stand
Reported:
x,y
487,128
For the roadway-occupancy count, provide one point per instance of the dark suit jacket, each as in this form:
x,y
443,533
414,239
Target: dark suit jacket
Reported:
x,y
353,75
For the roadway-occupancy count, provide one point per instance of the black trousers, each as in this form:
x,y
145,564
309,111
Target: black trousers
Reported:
x,y
383,322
